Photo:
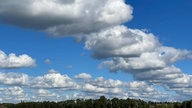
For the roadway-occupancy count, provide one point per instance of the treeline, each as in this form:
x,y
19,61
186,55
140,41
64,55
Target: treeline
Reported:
x,y
102,102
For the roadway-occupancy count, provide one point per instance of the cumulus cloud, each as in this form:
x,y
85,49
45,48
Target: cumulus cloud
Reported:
x,y
17,79
95,89
84,76
14,91
45,93
159,58
102,82
12,94
142,90
53,87
42,95
65,17
54,80
100,85
116,88
13,61
141,54
120,41
52,71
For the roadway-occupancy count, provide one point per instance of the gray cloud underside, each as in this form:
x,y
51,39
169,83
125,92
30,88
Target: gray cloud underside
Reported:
x,y
75,17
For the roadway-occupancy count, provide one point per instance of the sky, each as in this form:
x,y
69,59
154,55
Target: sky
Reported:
x,y
53,50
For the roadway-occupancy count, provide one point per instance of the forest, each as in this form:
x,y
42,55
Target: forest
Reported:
x,y
102,102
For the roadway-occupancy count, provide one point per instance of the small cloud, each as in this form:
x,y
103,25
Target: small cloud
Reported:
x,y
83,76
52,71
9,61
47,61
69,66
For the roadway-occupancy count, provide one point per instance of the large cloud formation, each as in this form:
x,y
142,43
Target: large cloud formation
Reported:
x,y
53,86
118,47
141,54
61,17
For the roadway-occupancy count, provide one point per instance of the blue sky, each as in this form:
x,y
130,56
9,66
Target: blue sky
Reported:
x,y
49,33
62,52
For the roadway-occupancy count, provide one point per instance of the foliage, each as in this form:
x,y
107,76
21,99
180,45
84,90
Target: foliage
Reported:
x,y
102,102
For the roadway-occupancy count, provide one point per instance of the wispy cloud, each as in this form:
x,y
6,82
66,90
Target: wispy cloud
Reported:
x,y
69,66
47,61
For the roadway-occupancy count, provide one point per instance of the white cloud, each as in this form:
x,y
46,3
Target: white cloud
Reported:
x,y
65,18
52,71
13,61
44,93
18,79
55,87
95,89
159,58
13,91
147,92
84,76
54,81
116,88
13,94
100,85
120,41
110,83
141,54
159,74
